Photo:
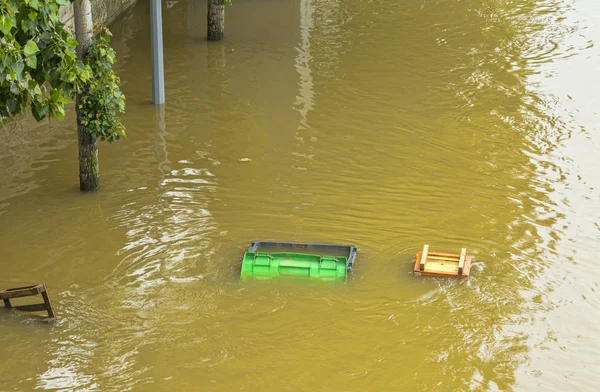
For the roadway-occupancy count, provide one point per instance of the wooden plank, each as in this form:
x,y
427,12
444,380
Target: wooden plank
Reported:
x,y
443,261
423,258
439,254
438,273
24,287
47,303
442,274
21,292
467,267
417,267
32,308
451,259
461,262
440,266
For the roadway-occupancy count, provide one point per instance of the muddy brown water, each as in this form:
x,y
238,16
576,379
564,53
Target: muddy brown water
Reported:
x,y
382,124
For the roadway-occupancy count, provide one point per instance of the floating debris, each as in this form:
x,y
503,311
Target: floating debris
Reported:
x,y
443,264
29,291
265,260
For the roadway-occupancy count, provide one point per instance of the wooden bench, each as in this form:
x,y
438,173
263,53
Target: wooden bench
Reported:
x,y
443,264
28,291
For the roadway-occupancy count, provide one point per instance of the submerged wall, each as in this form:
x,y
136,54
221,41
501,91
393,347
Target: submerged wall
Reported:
x,y
103,11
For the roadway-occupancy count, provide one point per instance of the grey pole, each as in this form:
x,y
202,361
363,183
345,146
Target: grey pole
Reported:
x,y
158,68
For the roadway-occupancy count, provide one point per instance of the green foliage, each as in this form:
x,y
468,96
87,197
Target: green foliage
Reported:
x,y
38,65
101,98
39,69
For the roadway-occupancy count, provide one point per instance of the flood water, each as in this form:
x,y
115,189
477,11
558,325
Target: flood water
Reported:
x,y
383,124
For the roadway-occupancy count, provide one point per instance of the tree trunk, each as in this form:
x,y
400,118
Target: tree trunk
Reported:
x,y
89,179
89,168
216,20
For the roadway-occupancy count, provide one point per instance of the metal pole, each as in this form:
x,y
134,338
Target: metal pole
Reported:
x,y
158,69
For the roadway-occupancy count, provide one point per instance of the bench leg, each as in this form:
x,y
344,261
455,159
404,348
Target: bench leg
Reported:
x,y
48,305
7,303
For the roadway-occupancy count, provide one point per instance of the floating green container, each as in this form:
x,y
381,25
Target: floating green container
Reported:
x,y
316,261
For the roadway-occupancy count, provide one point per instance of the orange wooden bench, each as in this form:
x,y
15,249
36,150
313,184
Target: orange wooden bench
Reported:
x,y
443,264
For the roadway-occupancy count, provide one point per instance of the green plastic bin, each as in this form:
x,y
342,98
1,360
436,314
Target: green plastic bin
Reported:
x,y
278,259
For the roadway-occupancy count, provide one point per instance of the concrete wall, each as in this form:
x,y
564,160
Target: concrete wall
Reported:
x,y
103,11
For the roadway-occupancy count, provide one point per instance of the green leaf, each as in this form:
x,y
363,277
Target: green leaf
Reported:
x,y
72,42
32,62
45,37
61,2
35,4
18,67
60,112
4,60
30,48
11,104
6,24
39,111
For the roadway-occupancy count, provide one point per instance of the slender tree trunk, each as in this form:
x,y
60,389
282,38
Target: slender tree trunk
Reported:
x,y
89,178
216,20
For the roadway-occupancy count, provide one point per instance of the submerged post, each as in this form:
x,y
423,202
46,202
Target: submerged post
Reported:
x,y
158,70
